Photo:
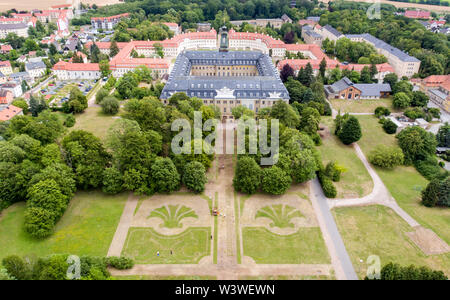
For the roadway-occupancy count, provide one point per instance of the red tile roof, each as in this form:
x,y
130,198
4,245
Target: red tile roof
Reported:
x,y
5,63
62,65
5,48
9,112
417,14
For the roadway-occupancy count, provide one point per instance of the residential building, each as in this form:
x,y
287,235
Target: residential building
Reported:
x,y
10,112
174,28
331,33
5,67
310,36
36,69
15,88
71,71
6,97
107,23
345,89
21,29
403,63
203,27
5,49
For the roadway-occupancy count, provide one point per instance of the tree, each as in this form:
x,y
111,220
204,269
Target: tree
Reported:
x,y
112,181
416,143
47,195
366,76
419,99
241,110
95,53
285,113
323,67
350,131
85,153
437,193
386,157
165,176
286,72
21,103
275,181
110,105
194,177
37,105
247,177
389,127
295,89
77,102
101,94
113,49
391,78
401,100
443,136
104,68
393,271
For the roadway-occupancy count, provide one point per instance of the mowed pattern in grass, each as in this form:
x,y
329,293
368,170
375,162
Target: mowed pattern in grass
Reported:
x,y
188,247
404,183
378,230
94,121
354,183
87,227
306,246
361,106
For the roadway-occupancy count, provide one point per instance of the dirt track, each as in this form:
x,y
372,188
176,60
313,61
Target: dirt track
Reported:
x,y
435,8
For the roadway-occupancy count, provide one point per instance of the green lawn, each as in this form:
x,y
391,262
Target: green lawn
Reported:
x,y
377,230
93,120
306,246
404,183
360,106
87,227
356,182
188,247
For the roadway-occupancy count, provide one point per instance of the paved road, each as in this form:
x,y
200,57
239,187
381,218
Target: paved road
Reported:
x,y
339,256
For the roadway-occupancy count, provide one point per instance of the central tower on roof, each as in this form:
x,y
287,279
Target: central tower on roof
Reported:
x,y
223,39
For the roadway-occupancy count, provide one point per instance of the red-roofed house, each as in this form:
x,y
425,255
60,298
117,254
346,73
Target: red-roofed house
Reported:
x,y
10,112
173,27
6,97
5,49
417,14
5,67
437,87
11,20
69,71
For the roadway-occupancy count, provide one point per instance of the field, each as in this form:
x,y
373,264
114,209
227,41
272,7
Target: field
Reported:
x,y
86,228
377,230
356,182
46,4
360,106
404,183
188,247
304,247
93,120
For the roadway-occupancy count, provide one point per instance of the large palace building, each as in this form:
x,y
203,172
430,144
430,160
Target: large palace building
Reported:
x,y
226,79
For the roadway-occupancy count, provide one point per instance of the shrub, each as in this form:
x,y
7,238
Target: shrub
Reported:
x,y
334,171
327,185
275,181
120,263
389,127
39,222
414,113
110,105
429,168
16,267
194,176
386,157
5,276
69,121
382,111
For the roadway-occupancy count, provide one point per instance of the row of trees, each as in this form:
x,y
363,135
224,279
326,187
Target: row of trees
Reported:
x,y
55,267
